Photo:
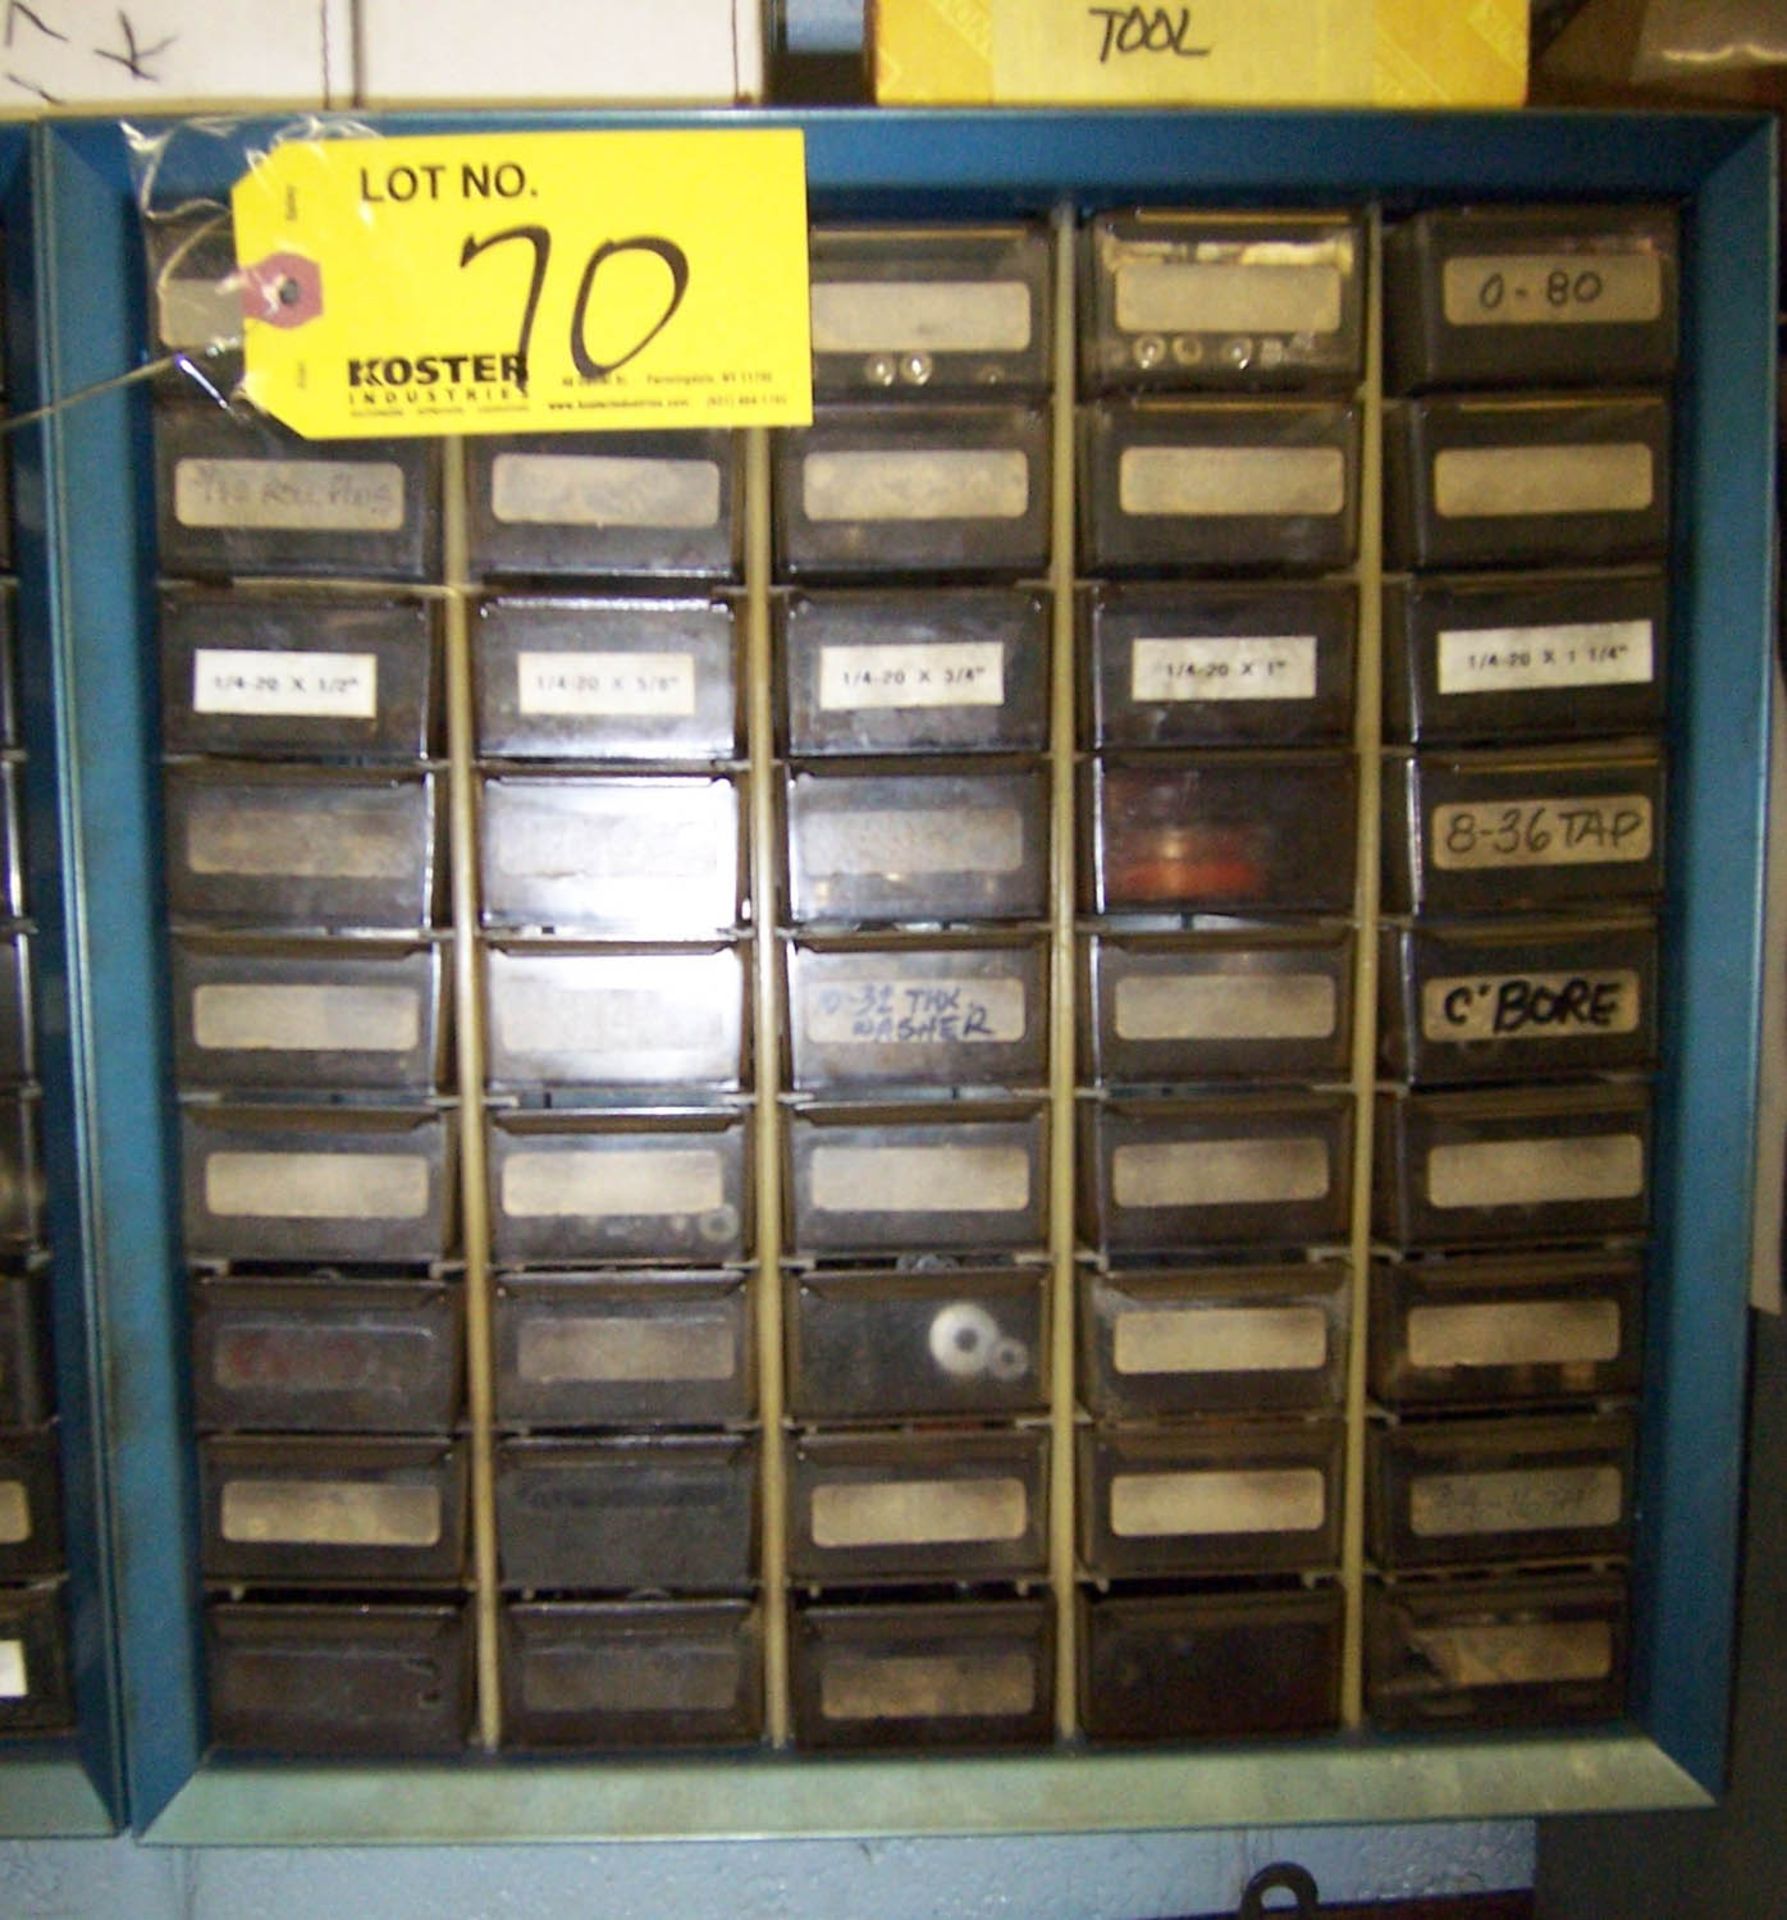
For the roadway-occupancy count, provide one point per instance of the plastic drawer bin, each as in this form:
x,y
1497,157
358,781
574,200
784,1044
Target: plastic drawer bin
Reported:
x,y
17,1053
606,679
31,1533
324,1355
1187,664
923,1673
1222,300
632,1673
619,1349
914,670
35,1695
24,1350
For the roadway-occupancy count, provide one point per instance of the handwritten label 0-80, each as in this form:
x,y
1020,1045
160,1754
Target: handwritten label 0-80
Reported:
x,y
1249,667
1607,653
308,686
1551,289
964,673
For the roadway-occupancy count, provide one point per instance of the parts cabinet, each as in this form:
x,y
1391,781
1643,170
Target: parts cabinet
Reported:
x,y
1055,1623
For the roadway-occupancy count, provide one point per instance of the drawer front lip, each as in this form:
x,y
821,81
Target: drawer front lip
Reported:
x,y
877,1346
606,1632
1008,1633
1265,1664
397,1717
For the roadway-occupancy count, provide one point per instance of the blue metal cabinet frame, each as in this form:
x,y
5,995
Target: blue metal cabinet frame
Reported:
x,y
72,1785
1721,169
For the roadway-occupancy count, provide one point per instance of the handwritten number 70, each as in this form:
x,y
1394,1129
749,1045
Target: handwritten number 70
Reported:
x,y
540,239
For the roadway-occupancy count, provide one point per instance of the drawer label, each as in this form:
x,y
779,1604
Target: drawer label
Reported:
x,y
1192,1340
591,1183
926,316
629,1028
1225,482
1536,1172
603,490
15,1680
316,838
302,686
940,673
1599,653
1499,483
919,1513
1551,289
1239,1500
917,1013
617,843
1220,1173
306,1019
1226,1006
914,840
316,1186
609,686
1557,831
1521,1654
554,1351
1226,296
891,483
632,1676
926,1686
287,1357
329,1513
1530,1006
15,1513
1524,1333
952,1179
289,496
194,310
1520,1500
1242,667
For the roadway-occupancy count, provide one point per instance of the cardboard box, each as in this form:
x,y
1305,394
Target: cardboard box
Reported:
x,y
1393,53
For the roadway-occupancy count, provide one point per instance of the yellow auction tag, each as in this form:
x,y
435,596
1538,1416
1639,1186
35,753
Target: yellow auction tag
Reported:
x,y
502,283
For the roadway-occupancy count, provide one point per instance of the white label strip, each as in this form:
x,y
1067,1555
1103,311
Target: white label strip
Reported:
x,y
911,841
1533,1653
1244,667
926,1686
306,1019
1515,1333
1536,1172
632,1676
15,1513
1551,289
918,1513
603,490
966,483
194,311
1520,1500
953,1179
629,1025
15,1679
290,496
1242,1500
923,316
683,841
558,1351
1563,830
329,1513
1220,1173
1590,653
299,686
941,673
316,1186
1192,296
1499,483
1530,1006
316,837
1193,1340
607,686
917,1013
1227,482
1226,1006
592,1183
